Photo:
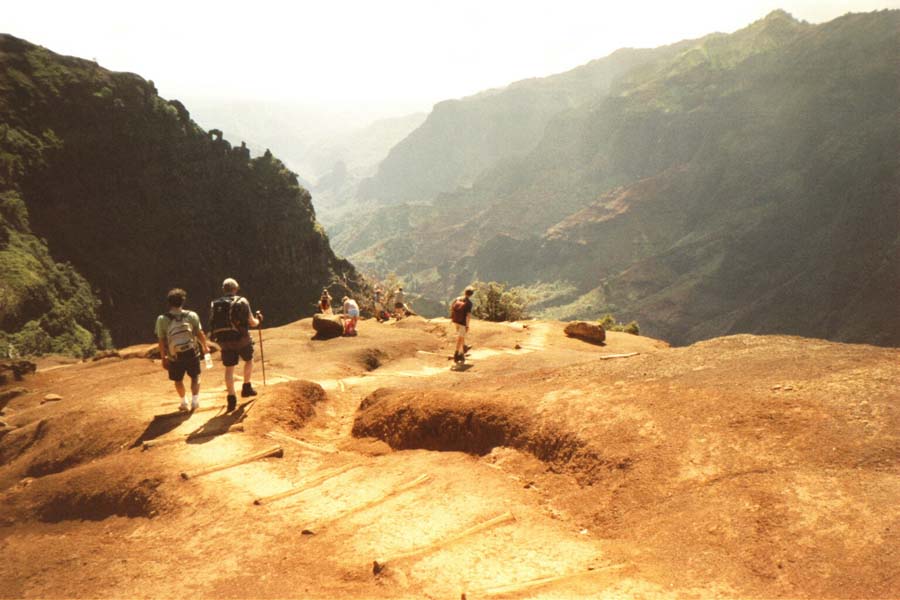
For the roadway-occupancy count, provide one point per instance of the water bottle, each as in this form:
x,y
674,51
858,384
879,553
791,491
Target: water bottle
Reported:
x,y
208,359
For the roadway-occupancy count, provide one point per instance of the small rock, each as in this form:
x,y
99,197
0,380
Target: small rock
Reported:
x,y
518,346
52,398
583,532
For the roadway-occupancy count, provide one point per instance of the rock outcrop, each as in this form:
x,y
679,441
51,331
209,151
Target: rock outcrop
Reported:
x,y
589,332
327,326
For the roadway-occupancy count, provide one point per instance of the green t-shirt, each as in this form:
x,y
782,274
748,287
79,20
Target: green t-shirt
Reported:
x,y
162,323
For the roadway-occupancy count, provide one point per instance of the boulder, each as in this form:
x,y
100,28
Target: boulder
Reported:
x,y
327,327
589,332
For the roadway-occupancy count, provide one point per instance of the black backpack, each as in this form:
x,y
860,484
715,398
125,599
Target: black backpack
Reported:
x,y
227,323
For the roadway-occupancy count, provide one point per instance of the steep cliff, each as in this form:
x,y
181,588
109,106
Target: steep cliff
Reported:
x,y
130,197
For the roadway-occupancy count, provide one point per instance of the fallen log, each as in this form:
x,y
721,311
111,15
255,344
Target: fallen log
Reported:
x,y
312,528
273,451
380,564
536,583
311,447
189,436
306,485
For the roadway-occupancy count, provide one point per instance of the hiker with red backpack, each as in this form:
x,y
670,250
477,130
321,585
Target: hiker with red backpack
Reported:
x,y
230,321
180,339
461,314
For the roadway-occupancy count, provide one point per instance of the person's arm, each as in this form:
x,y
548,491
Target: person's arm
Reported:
x,y
162,353
161,340
203,344
253,321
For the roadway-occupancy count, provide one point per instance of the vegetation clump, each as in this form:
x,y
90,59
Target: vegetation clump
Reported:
x,y
609,323
495,302
110,194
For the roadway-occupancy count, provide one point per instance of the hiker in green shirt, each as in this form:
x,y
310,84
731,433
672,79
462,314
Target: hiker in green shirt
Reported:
x,y
180,338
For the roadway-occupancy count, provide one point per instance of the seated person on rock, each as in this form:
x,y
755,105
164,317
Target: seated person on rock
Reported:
x,y
350,316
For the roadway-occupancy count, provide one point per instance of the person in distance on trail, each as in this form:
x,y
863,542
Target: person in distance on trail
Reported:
x,y
230,321
461,314
325,303
351,315
180,338
378,298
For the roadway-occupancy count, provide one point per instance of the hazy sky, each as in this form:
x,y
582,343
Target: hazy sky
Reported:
x,y
406,54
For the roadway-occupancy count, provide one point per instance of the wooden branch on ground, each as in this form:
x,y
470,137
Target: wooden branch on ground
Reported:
x,y
311,447
380,564
189,436
306,485
311,529
536,583
609,356
273,451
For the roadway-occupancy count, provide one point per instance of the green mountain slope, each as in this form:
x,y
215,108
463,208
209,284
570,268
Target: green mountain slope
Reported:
x,y
462,138
747,184
130,197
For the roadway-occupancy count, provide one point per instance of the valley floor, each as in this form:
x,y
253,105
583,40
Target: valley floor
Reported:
x,y
546,468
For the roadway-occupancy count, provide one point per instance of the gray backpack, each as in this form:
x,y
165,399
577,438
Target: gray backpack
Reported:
x,y
181,337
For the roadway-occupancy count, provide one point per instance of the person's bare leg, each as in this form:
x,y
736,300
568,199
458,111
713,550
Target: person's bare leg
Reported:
x,y
248,371
229,380
195,386
179,387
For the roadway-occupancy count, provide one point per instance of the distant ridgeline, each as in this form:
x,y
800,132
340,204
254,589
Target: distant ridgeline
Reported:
x,y
736,183
110,195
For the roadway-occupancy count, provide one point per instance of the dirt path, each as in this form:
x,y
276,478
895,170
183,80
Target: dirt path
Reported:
x,y
410,503
659,473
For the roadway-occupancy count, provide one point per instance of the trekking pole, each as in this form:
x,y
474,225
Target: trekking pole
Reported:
x,y
262,355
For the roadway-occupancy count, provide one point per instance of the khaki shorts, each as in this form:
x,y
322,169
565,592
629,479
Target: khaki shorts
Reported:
x,y
461,330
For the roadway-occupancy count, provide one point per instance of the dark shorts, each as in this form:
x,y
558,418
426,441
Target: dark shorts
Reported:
x,y
177,368
230,357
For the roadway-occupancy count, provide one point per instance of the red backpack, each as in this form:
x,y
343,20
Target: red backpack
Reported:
x,y
458,310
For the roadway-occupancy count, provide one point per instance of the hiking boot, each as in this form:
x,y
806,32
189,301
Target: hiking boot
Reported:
x,y
195,403
247,391
232,402
183,407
